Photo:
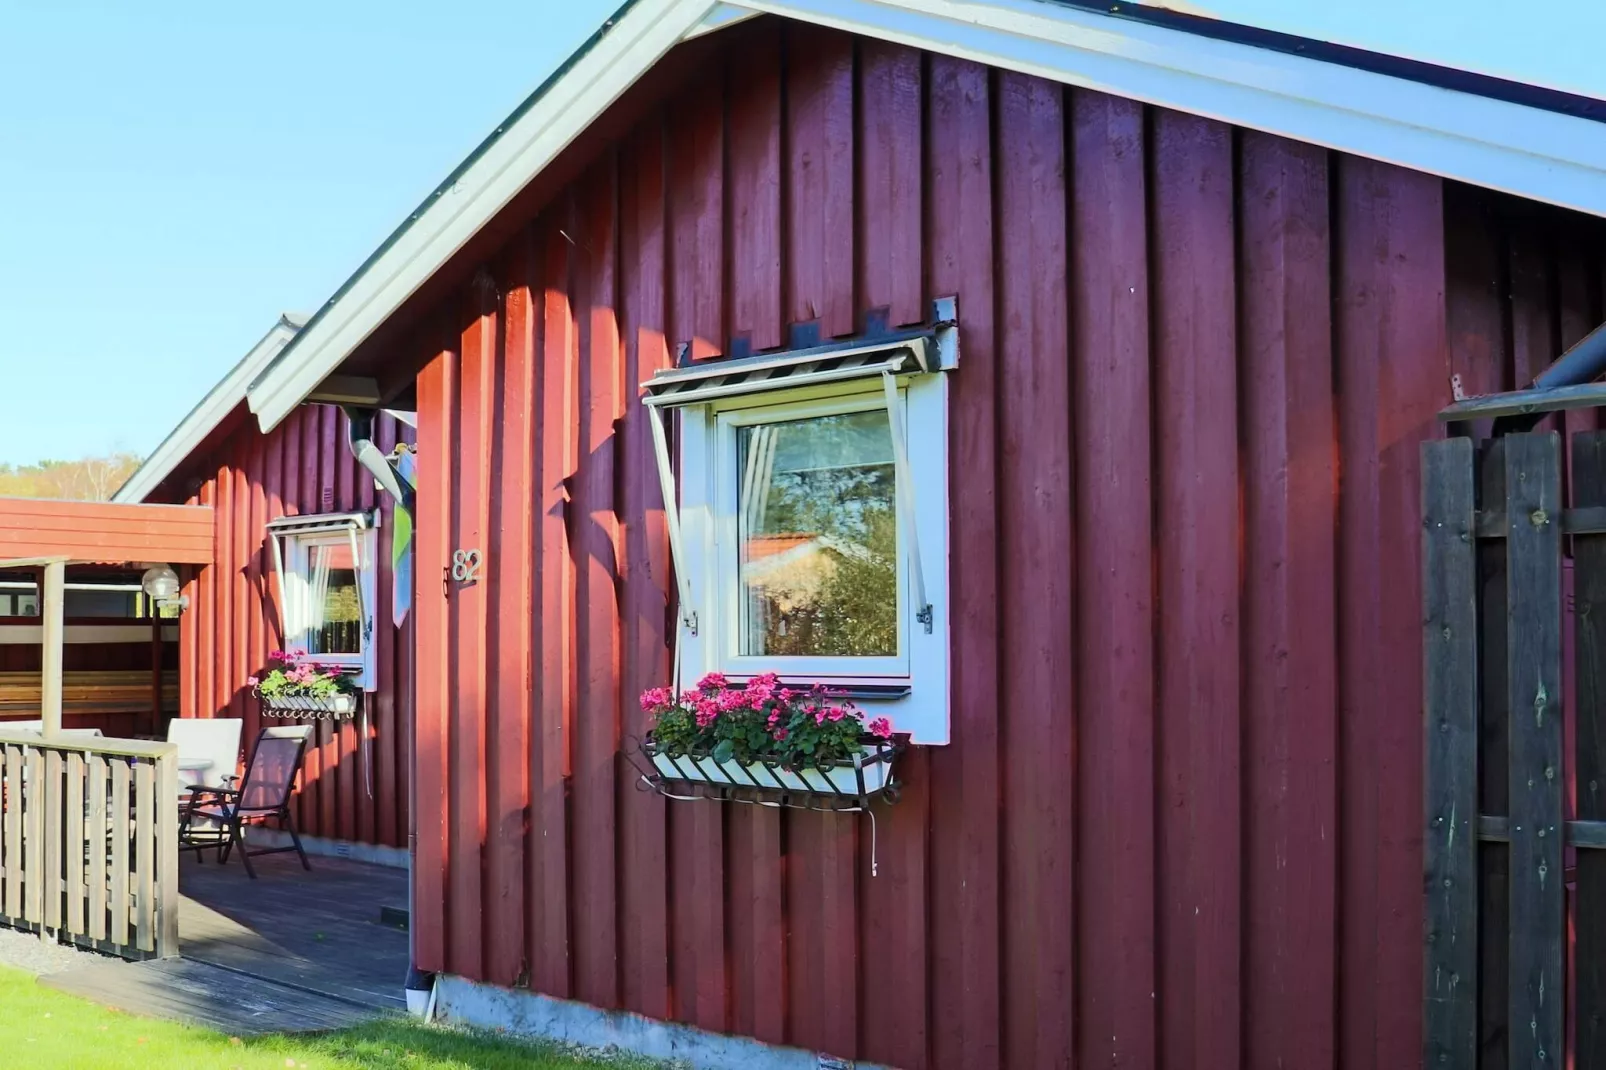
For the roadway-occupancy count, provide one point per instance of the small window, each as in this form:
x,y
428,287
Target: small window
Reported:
x,y
809,502
18,600
811,530
334,603
326,567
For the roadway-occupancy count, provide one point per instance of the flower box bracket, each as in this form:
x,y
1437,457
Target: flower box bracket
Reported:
x,y
339,707
842,785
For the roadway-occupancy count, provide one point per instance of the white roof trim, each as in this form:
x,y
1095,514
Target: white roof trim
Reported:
x,y
722,16
1526,151
1530,152
217,404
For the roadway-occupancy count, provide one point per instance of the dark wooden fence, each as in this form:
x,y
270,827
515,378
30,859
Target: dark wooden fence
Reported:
x,y
1514,874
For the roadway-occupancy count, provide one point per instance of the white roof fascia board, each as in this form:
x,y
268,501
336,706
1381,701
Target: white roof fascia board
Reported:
x,y
643,34
722,16
217,404
1529,152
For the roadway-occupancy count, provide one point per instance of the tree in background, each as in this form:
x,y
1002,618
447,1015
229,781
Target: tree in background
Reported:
x,y
90,479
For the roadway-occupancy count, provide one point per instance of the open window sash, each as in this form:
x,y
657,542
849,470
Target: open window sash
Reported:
x,y
886,359
303,584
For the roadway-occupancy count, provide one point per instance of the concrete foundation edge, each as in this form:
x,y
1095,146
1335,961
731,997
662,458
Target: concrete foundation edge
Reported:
x,y
519,1012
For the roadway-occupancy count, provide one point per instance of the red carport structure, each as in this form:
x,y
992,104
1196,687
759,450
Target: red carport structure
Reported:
x,y
47,537
88,825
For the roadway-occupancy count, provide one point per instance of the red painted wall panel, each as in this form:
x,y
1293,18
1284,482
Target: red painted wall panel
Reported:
x,y
1036,577
597,545
1174,827
1393,368
430,669
964,949
549,930
741,848
507,654
347,790
1289,640
644,577
1116,610
1198,519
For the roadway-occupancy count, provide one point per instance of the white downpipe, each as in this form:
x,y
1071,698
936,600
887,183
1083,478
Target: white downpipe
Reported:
x,y
434,994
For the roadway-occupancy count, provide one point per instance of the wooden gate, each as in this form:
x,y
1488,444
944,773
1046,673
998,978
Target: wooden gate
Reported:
x,y
1514,874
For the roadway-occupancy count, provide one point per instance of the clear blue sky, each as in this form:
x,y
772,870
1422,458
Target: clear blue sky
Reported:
x,y
174,174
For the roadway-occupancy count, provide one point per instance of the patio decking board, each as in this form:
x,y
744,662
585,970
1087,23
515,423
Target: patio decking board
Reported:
x,y
290,952
319,930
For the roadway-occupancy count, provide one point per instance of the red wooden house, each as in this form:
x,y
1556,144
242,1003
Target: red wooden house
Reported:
x,y
1156,312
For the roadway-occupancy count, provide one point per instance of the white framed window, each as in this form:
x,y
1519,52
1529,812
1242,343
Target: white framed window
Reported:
x,y
809,521
327,569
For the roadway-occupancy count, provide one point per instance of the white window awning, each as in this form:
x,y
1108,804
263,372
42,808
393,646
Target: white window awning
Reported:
x,y
321,523
898,354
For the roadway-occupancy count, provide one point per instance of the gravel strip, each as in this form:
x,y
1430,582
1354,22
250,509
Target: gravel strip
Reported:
x,y
25,951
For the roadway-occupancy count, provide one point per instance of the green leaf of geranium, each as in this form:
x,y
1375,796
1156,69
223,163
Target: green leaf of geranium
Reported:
x,y
724,750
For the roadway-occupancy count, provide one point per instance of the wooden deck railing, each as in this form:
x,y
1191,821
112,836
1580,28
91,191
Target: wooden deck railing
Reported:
x,y
89,840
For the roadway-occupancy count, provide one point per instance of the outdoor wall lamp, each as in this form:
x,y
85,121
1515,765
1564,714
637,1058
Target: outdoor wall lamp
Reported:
x,y
161,585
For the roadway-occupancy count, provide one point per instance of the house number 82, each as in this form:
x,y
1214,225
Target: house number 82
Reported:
x,y
465,565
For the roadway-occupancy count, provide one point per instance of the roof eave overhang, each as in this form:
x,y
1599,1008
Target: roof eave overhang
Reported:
x,y
1529,152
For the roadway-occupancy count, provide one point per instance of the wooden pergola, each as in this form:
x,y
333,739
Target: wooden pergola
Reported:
x,y
50,535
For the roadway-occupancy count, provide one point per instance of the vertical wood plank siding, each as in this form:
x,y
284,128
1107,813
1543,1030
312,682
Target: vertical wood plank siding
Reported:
x,y
1179,821
302,467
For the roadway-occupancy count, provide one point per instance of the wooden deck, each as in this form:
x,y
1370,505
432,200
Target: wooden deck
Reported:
x,y
290,952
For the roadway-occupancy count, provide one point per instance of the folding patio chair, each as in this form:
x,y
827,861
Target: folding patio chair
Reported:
x,y
216,817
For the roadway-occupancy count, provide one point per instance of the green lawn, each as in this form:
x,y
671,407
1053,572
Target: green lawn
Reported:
x,y
43,1029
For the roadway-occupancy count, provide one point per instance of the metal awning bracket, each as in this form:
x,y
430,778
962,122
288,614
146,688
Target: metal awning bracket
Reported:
x,y
666,480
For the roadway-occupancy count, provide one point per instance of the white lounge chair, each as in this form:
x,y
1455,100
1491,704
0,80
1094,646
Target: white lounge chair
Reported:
x,y
208,751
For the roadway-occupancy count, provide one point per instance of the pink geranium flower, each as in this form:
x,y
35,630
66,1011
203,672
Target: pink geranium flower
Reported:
x,y
757,719
763,686
656,698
